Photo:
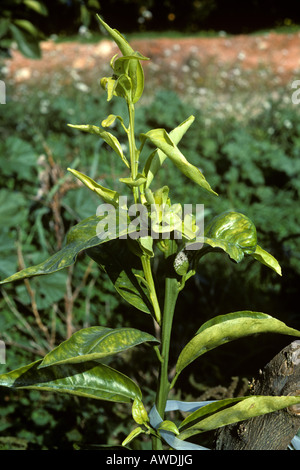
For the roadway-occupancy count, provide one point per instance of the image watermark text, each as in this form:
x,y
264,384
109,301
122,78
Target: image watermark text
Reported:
x,y
2,352
296,93
2,92
159,221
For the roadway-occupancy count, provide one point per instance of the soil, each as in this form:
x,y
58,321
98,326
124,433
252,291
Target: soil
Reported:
x,y
280,52
194,66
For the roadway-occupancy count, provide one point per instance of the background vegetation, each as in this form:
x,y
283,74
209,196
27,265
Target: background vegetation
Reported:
x,y
253,163
27,22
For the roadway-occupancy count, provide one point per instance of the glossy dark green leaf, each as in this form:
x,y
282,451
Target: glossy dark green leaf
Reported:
x,y
225,328
94,343
88,233
125,271
89,379
232,410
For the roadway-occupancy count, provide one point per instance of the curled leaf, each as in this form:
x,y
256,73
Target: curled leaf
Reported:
x,y
139,413
109,138
108,195
234,228
163,141
225,328
267,259
168,426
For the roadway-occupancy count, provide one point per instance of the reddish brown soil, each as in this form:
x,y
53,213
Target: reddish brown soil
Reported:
x,y
199,68
278,52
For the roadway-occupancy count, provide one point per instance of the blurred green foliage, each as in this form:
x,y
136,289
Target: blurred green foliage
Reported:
x,y
253,165
27,22
18,22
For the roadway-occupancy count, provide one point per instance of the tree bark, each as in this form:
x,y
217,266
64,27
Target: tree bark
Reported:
x,y
272,431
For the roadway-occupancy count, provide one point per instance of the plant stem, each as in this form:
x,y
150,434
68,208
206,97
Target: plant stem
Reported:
x,y
152,291
171,294
132,148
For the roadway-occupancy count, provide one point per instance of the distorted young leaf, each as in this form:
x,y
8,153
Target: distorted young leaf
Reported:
x,y
267,259
132,435
134,70
121,42
234,228
228,411
235,234
139,412
125,271
168,426
140,179
163,141
108,84
111,119
94,343
146,244
110,139
89,379
225,328
108,195
121,64
156,159
123,87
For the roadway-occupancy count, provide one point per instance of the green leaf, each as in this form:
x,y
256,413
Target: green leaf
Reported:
x,y
121,42
140,179
135,70
163,141
111,119
228,411
108,195
123,87
265,258
125,271
88,233
38,7
28,26
4,26
132,435
233,228
139,412
168,426
27,44
110,139
234,233
94,343
225,328
156,159
89,379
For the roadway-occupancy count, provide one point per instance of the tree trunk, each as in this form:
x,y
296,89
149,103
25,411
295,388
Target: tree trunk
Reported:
x,y
272,431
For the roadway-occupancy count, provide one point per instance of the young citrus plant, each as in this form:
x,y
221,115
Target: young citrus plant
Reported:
x,y
125,240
